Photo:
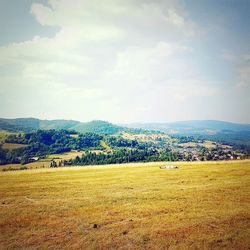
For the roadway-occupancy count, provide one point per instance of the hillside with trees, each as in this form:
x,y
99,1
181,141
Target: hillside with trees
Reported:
x,y
33,124
96,148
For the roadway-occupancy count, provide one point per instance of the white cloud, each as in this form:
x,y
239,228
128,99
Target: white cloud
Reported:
x,y
244,72
161,61
114,19
114,60
93,36
244,75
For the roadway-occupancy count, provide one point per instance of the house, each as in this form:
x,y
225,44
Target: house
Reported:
x,y
34,158
195,157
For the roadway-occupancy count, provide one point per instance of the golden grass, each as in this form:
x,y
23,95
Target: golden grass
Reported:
x,y
65,156
8,167
189,144
13,146
74,135
146,137
206,144
134,206
32,165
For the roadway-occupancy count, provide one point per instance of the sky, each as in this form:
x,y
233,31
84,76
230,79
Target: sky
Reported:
x,y
125,61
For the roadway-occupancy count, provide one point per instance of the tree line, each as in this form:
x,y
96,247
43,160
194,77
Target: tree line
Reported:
x,y
122,155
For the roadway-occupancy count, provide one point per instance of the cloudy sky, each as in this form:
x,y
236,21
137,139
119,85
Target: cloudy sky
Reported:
x,y
125,60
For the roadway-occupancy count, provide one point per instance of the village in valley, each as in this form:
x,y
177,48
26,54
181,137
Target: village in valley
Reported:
x,y
61,148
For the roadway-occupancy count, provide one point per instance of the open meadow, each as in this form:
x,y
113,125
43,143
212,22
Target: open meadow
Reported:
x,y
42,163
200,205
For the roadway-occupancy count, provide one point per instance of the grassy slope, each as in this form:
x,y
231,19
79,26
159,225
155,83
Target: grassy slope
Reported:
x,y
137,206
13,146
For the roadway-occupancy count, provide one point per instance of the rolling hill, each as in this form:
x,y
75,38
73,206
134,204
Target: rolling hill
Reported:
x,y
32,124
219,131
205,127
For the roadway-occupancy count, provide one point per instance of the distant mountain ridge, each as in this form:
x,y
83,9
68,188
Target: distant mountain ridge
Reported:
x,y
195,126
31,124
103,127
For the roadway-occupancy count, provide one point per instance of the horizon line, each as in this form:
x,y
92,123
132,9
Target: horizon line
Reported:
x,y
126,123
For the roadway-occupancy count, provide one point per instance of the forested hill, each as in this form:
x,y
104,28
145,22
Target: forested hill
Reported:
x,y
33,124
205,127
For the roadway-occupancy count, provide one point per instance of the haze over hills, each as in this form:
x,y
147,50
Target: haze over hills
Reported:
x,y
195,126
103,127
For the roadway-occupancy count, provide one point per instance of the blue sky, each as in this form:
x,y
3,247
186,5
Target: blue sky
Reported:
x,y
125,61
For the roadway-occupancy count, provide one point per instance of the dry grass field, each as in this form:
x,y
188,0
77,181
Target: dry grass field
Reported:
x,y
134,206
13,146
65,156
206,144
147,137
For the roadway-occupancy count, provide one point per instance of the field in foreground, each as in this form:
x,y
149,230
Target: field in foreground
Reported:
x,y
136,206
